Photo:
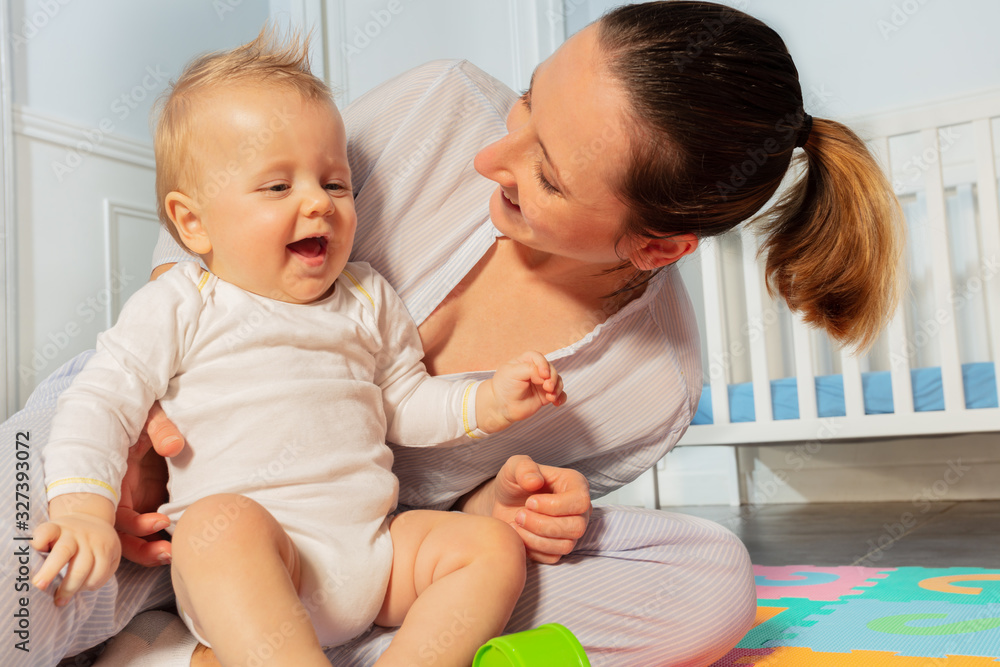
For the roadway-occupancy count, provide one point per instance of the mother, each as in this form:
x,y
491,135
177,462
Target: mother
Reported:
x,y
627,149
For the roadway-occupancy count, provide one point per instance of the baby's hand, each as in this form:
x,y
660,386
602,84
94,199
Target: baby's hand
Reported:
x,y
518,389
87,543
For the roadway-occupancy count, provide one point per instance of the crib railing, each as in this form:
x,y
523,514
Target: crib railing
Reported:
x,y
947,177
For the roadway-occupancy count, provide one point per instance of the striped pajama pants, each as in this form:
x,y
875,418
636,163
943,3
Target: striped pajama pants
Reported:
x,y
643,587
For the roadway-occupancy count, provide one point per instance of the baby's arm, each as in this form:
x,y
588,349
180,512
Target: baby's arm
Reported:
x,y
518,389
80,532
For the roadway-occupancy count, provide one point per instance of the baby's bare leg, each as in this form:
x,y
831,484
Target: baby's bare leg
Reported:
x,y
236,574
455,579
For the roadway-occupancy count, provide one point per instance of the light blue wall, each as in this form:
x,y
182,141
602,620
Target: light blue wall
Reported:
x,y
860,56
76,59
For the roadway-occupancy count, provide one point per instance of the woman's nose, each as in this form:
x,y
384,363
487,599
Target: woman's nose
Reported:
x,y
498,160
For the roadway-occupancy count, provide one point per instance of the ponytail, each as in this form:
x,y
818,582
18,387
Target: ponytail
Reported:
x,y
716,120
834,239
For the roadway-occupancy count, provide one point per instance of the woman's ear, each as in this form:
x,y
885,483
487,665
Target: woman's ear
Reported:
x,y
652,253
186,218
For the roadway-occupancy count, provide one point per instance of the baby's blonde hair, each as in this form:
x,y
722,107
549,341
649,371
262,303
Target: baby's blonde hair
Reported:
x,y
269,60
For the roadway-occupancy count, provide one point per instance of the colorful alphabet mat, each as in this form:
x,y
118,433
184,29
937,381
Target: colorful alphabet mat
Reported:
x,y
897,617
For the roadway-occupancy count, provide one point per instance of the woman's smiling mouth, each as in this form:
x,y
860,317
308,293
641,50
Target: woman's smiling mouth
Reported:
x,y
510,202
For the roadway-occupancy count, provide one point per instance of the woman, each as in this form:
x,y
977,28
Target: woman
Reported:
x,y
627,149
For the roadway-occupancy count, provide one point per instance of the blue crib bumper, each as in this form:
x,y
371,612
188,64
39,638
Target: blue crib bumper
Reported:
x,y
979,380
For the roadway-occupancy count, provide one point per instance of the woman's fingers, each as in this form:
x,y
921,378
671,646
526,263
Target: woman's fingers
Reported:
x,y
165,438
544,549
131,522
567,503
133,527
549,507
557,527
141,552
524,474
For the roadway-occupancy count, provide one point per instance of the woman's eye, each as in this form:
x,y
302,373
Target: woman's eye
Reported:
x,y
544,182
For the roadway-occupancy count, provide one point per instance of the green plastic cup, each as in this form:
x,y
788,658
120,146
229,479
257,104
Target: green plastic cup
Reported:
x,y
550,645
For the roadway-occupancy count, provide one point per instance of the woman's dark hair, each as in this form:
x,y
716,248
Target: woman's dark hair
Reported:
x,y
716,111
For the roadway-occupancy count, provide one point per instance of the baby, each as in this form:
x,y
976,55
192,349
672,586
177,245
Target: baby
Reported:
x,y
286,368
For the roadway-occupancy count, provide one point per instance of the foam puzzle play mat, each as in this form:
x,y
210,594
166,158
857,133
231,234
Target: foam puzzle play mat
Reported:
x,y
872,617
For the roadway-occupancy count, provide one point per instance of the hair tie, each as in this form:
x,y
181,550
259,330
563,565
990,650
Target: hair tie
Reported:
x,y
804,130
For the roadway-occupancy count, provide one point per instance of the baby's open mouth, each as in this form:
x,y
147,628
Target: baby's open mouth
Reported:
x,y
309,248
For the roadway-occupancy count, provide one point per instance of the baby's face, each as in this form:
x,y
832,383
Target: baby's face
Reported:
x,y
274,192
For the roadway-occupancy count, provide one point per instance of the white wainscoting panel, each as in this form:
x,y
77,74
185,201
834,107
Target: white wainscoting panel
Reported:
x,y
66,185
130,235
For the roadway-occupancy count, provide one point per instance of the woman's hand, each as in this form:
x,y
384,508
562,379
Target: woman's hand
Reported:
x,y
144,488
548,507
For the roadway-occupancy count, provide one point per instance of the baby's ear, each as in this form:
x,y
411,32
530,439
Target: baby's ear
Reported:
x,y
652,253
186,218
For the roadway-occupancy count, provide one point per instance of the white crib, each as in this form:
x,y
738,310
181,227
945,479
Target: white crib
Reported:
x,y
943,160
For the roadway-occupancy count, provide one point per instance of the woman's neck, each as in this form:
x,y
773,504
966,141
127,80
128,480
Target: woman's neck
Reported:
x,y
583,281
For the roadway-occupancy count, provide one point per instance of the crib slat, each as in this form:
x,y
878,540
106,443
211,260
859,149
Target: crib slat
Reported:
x,y
899,360
805,372
854,400
944,321
989,233
718,359
899,357
757,343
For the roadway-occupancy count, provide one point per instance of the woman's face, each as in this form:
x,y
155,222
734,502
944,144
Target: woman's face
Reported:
x,y
564,155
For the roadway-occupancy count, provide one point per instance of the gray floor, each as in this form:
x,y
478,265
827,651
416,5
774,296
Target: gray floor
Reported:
x,y
869,534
